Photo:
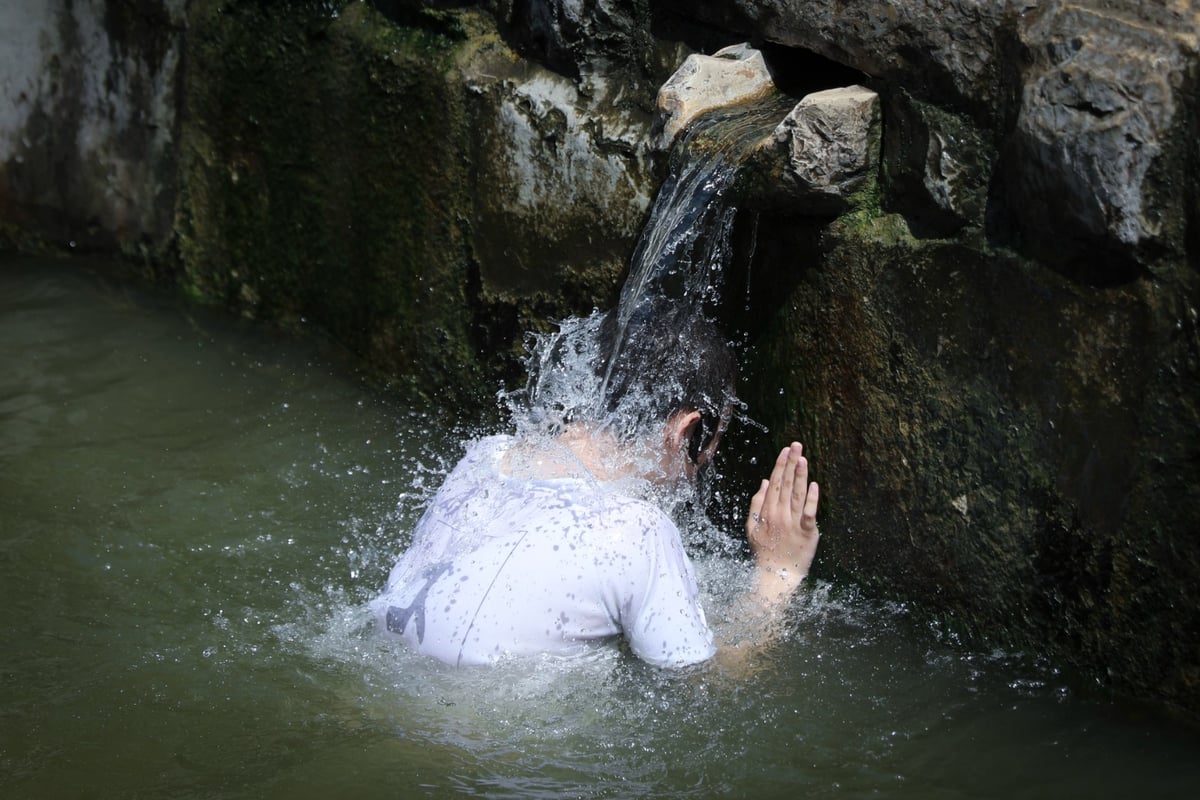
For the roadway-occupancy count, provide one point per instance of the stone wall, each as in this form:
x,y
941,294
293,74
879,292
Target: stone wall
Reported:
x,y
406,180
997,367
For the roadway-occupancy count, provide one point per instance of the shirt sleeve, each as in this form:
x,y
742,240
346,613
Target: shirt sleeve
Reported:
x,y
662,618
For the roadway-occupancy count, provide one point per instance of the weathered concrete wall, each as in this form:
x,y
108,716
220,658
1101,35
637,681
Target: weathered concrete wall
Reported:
x,y
88,121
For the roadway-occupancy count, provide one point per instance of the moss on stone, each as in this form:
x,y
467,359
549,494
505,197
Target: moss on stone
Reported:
x,y
323,181
993,439
345,170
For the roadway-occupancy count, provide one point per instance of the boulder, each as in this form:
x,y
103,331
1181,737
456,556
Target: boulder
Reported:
x,y
830,142
731,76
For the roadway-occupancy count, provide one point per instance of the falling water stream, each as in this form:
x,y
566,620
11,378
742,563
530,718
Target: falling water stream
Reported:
x,y
193,512
678,265
684,247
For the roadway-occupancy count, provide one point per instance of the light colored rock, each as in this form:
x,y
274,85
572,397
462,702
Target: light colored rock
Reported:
x,y
831,142
555,166
732,76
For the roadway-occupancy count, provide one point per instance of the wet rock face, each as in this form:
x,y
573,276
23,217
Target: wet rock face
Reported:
x,y
937,166
578,38
563,177
420,190
1002,446
1102,116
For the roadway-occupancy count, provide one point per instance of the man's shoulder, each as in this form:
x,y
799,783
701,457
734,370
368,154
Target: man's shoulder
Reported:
x,y
632,516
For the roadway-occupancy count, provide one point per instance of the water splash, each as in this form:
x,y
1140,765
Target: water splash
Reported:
x,y
675,281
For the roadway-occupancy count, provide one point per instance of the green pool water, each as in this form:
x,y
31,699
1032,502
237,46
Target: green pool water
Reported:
x,y
193,511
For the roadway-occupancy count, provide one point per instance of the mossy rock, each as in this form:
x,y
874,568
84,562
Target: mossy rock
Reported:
x,y
323,182
1006,449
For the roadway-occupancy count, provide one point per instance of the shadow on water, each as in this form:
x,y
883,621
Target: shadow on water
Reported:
x,y
193,513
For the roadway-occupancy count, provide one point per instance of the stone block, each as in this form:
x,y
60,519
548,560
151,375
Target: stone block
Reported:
x,y
1102,108
830,142
731,76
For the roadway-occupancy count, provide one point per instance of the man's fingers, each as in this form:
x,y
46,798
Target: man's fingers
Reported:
x,y
778,471
778,475
809,521
798,486
790,455
788,497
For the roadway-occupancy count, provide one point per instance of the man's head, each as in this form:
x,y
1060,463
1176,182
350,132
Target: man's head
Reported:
x,y
668,361
667,366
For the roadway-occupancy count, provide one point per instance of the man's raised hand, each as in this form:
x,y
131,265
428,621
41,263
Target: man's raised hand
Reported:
x,y
782,523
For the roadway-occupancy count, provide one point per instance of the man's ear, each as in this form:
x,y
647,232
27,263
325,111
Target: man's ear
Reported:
x,y
680,427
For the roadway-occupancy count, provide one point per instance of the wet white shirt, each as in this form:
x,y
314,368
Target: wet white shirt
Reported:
x,y
502,566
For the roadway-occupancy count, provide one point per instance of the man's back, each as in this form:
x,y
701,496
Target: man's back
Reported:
x,y
509,566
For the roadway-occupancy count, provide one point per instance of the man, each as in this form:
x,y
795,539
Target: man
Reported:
x,y
555,539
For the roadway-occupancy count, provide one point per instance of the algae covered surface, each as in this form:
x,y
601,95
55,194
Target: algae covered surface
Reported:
x,y
323,180
997,443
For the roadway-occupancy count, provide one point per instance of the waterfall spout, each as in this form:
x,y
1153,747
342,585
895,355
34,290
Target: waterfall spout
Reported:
x,y
681,255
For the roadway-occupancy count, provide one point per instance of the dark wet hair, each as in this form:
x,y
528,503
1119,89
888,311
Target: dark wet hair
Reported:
x,y
669,358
